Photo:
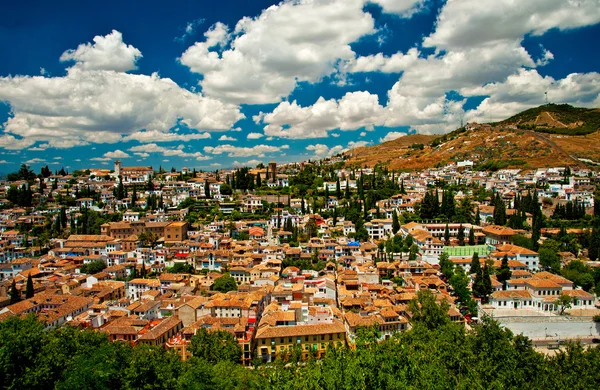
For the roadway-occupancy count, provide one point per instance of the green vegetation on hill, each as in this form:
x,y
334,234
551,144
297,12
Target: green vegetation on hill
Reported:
x,y
577,121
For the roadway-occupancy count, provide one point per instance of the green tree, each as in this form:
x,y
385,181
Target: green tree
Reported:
x,y
395,222
447,236
471,236
215,346
225,284
549,259
427,312
446,266
15,294
93,267
563,302
29,291
461,235
504,272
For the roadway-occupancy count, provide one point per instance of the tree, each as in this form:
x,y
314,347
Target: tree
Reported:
x,y
478,281
446,266
226,189
487,283
594,244
427,312
549,259
395,222
225,284
564,302
446,236
29,291
461,235
504,272
207,190
477,220
499,211
93,267
15,295
258,181
460,284
471,236
338,189
215,346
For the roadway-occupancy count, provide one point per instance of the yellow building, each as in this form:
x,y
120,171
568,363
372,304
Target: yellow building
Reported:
x,y
273,341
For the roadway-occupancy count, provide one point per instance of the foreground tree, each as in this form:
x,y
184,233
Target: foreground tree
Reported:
x,y
215,346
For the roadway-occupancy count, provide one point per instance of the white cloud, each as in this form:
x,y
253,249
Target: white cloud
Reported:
x,y
226,138
100,106
403,8
58,158
35,161
527,89
335,135
107,53
145,149
395,63
353,111
236,151
3,162
392,135
322,151
249,163
111,156
142,154
215,165
469,23
254,135
160,136
288,43
363,133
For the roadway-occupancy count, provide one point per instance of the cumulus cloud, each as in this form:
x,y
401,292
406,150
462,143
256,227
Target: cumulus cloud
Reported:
x,y
392,135
111,156
94,105
353,111
321,151
288,43
236,151
249,163
106,53
254,135
468,23
527,89
405,8
226,138
35,161
159,136
146,149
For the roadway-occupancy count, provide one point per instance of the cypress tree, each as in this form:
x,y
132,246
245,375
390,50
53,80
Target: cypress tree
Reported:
x,y
471,236
447,236
487,283
15,295
504,272
29,292
338,188
395,222
461,235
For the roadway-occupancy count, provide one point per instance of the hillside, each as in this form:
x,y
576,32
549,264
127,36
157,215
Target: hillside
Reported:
x,y
550,135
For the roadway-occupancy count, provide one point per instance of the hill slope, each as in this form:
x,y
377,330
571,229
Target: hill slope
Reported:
x,y
550,135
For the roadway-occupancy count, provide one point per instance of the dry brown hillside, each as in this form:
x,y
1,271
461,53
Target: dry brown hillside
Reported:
x,y
499,147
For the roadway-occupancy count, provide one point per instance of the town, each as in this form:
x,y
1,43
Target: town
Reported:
x,y
299,256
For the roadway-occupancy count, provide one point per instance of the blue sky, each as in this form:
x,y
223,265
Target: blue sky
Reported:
x,y
218,84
